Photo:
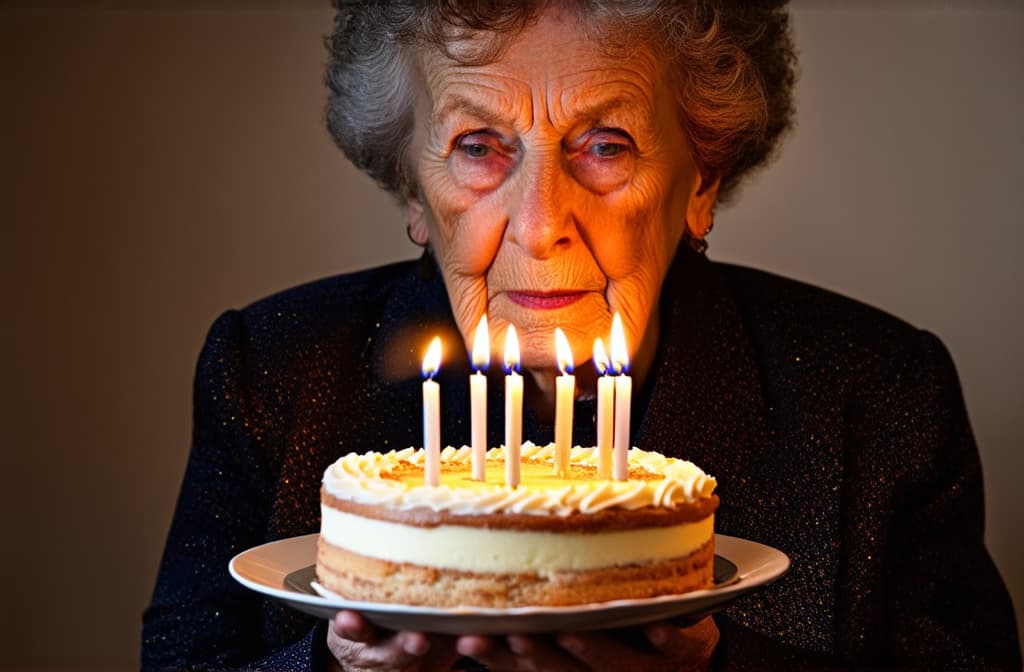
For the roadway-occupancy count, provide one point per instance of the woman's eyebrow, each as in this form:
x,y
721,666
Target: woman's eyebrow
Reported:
x,y
600,109
592,111
455,103
614,111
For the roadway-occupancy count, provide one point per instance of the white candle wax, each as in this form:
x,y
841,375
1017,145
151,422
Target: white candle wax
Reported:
x,y
565,387
605,411
605,417
478,408
432,432
432,415
623,399
481,357
513,427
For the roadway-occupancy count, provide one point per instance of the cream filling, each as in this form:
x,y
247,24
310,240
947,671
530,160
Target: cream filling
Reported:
x,y
477,549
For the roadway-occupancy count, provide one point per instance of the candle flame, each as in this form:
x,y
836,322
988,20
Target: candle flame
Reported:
x,y
482,346
432,360
600,357
511,350
620,355
563,351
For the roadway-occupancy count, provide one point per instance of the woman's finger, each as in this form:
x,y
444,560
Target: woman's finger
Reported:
x,y
604,651
517,653
351,625
696,642
489,651
667,647
357,644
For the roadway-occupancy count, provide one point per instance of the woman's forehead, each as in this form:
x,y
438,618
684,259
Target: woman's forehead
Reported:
x,y
572,83
521,106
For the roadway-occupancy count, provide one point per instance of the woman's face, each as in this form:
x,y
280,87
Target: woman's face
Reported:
x,y
554,185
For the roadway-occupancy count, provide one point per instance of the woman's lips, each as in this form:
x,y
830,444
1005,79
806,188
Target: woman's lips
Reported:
x,y
544,300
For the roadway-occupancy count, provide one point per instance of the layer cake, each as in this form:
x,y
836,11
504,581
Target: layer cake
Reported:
x,y
387,537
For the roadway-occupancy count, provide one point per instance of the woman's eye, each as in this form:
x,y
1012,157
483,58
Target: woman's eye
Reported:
x,y
475,149
607,150
481,160
603,159
479,144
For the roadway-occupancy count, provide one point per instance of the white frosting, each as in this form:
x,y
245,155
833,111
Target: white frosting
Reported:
x,y
476,549
357,477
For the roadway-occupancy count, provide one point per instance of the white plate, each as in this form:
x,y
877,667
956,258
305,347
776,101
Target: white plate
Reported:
x,y
265,568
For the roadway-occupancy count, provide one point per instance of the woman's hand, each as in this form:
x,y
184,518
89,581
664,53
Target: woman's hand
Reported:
x,y
665,647
358,646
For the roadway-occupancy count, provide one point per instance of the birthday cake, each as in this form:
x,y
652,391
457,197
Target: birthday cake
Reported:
x,y
554,540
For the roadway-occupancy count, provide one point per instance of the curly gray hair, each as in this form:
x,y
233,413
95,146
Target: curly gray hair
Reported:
x,y
735,60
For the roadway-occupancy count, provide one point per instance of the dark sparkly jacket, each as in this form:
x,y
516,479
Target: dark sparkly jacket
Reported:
x,y
837,434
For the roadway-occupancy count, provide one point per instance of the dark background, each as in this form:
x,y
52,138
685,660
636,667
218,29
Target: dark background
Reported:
x,y
158,166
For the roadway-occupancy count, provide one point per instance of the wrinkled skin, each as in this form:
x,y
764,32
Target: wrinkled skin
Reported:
x,y
357,646
554,186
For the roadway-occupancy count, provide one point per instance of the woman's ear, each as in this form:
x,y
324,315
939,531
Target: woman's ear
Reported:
x,y
700,210
416,222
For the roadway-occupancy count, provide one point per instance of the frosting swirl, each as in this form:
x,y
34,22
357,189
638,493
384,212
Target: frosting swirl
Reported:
x,y
394,479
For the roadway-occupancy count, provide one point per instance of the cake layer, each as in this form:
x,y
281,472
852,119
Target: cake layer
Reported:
x,y
605,520
478,549
359,577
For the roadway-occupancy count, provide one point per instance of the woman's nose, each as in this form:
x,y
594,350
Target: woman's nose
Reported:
x,y
540,219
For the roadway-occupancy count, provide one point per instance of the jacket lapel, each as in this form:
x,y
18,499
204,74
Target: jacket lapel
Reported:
x,y
708,405
706,401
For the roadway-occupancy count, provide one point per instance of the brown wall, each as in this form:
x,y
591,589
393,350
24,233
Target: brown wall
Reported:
x,y
161,166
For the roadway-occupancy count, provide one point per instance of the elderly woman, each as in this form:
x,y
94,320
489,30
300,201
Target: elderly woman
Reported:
x,y
560,163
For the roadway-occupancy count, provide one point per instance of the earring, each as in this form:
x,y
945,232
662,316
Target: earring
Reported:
x,y
698,245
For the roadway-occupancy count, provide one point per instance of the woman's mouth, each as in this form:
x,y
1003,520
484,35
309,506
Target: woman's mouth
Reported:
x,y
545,300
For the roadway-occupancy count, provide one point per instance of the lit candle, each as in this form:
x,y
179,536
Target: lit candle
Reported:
x,y
513,408
623,399
565,385
478,398
605,409
432,414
